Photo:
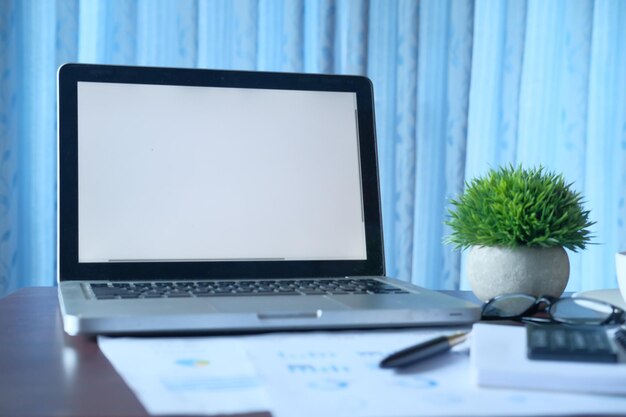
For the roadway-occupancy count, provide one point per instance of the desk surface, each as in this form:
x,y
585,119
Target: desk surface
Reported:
x,y
45,372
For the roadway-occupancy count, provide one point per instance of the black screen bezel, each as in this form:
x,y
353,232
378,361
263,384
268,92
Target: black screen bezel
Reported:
x,y
71,269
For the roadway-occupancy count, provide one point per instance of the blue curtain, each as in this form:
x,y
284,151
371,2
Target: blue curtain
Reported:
x,y
460,86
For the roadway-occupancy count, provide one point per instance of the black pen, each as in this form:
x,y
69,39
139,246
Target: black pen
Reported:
x,y
423,350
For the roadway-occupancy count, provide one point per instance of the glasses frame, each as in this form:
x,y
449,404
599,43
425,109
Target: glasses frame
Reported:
x,y
545,303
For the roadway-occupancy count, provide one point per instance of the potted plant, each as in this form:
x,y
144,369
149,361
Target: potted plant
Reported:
x,y
516,223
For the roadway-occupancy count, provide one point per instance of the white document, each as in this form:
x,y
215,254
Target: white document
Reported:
x,y
499,360
337,374
187,375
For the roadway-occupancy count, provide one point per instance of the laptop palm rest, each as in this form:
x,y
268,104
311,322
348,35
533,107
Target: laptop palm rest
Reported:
x,y
268,306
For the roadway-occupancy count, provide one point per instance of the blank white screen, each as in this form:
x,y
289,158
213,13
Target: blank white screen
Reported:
x,y
177,173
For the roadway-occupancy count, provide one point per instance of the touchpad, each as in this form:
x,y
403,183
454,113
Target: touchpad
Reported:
x,y
275,303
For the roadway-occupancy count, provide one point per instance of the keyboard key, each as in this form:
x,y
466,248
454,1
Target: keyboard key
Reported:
x,y
106,297
313,292
152,295
178,295
124,296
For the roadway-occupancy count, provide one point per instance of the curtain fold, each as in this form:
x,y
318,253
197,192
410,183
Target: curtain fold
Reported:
x,y
8,213
30,54
398,221
605,151
460,86
233,26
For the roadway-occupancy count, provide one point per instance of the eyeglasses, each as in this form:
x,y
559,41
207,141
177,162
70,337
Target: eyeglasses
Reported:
x,y
569,310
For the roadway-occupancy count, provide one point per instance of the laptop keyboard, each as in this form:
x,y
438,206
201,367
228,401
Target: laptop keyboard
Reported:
x,y
186,289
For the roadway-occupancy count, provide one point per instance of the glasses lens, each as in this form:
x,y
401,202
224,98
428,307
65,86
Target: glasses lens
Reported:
x,y
580,311
513,305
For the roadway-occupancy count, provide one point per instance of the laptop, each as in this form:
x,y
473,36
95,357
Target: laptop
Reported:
x,y
210,201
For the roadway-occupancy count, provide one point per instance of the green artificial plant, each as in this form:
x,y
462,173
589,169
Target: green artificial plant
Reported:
x,y
512,207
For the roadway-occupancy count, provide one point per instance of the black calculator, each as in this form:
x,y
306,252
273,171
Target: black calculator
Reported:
x,y
569,343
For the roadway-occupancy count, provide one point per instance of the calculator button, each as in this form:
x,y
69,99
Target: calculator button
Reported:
x,y
567,343
558,339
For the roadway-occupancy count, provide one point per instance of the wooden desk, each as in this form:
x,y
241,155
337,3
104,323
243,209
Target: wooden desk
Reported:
x,y
44,372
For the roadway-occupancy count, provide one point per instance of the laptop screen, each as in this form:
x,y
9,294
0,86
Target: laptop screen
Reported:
x,y
187,173
179,173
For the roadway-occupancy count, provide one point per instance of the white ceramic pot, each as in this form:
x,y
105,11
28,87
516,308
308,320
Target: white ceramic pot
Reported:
x,y
494,271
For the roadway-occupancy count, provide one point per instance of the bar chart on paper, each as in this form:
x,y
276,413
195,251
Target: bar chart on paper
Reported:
x,y
187,376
